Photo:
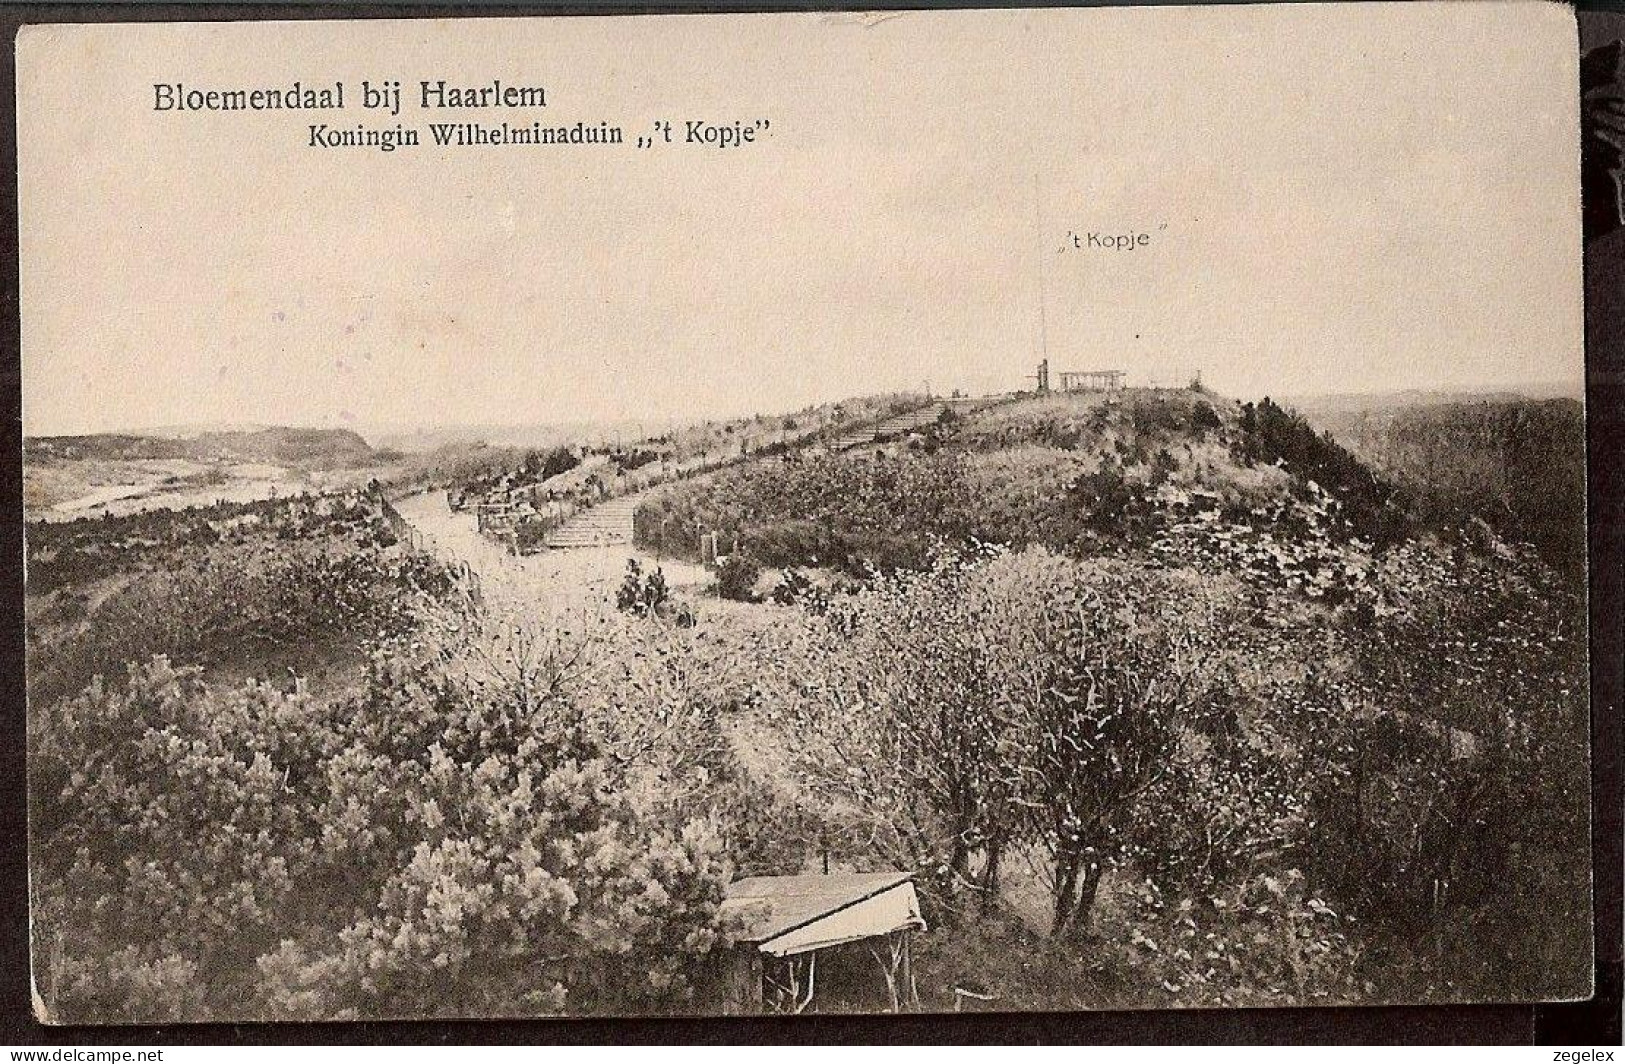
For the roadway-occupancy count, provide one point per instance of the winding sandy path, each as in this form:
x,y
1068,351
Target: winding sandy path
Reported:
x,y
549,586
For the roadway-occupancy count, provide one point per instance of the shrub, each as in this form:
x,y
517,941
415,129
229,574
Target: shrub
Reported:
x,y
736,577
795,588
241,602
797,542
1466,761
1259,942
72,554
986,705
833,509
1271,434
641,594
1109,504
468,835
530,535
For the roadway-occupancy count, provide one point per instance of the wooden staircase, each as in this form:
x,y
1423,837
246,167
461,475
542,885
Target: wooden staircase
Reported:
x,y
892,426
608,524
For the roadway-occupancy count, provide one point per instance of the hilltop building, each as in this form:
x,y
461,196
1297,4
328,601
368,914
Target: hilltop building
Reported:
x,y
1090,380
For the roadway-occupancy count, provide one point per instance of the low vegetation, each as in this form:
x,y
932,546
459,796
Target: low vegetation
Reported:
x,y
1089,477
1165,700
262,586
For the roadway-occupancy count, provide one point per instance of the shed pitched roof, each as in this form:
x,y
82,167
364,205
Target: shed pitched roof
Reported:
x,y
776,905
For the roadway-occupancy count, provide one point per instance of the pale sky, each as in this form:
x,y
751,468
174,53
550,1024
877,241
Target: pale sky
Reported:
x,y
1339,199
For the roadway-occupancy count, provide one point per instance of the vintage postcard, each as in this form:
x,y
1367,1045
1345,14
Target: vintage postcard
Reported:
x,y
713,514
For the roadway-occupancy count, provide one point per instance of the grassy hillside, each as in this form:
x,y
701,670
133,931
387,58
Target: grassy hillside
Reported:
x,y
1131,475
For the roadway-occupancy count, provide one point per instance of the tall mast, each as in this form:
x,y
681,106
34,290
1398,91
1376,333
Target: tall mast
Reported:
x,y
1038,242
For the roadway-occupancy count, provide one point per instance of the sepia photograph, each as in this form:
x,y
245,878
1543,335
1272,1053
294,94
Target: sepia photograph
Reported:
x,y
991,511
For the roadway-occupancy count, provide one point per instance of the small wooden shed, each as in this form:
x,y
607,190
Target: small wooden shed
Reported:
x,y
788,919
